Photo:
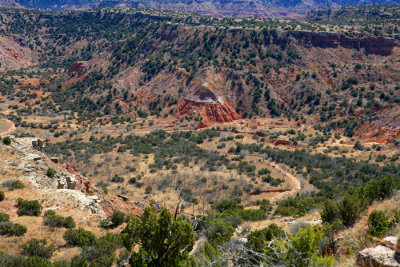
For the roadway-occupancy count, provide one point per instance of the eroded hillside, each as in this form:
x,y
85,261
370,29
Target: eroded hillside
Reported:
x,y
234,122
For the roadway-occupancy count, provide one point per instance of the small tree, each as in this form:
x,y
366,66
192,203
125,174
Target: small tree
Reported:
x,y
79,237
378,223
164,241
2,196
330,212
36,247
7,140
350,209
218,232
117,217
29,208
51,172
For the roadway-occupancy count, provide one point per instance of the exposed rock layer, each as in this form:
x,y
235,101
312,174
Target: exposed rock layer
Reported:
x,y
210,112
371,44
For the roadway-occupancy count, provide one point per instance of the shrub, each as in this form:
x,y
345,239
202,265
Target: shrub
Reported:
x,y
117,217
51,172
29,208
117,179
9,228
256,239
148,190
330,212
51,219
350,209
218,232
14,184
18,229
2,196
4,217
37,261
253,215
7,140
79,237
36,247
104,223
378,223
103,250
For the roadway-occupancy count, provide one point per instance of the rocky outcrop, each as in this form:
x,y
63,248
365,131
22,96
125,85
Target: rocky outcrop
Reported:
x,y
205,102
213,112
23,161
76,67
382,255
383,128
371,44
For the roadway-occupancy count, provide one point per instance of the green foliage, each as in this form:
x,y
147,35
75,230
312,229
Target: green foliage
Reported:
x,y
7,140
330,212
218,232
50,218
4,217
298,206
208,254
36,261
163,240
148,190
378,223
104,223
36,247
258,240
117,218
350,209
2,196
50,172
9,228
102,251
14,184
304,246
79,237
329,174
29,208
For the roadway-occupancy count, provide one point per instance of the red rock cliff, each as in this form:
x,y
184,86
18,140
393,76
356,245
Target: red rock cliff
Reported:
x,y
371,44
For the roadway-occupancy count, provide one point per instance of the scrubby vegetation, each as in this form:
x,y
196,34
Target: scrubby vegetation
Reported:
x,y
50,218
101,99
29,207
13,184
9,228
38,248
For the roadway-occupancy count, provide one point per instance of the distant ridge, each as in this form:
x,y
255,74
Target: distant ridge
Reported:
x,y
218,8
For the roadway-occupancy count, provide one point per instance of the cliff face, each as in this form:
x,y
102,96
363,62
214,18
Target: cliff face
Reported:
x,y
204,100
210,112
384,128
371,44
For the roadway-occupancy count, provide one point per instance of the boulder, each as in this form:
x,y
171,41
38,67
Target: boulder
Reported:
x,y
71,182
381,256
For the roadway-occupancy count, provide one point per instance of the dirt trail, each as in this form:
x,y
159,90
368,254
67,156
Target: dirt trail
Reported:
x,y
6,127
294,182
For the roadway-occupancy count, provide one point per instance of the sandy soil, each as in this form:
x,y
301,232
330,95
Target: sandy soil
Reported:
x,y
6,127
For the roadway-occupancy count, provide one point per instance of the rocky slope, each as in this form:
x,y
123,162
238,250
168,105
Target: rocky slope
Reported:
x,y
382,128
68,190
13,55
